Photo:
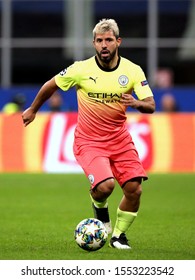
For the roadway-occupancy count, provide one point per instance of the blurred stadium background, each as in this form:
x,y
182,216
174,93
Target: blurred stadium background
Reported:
x,y
39,38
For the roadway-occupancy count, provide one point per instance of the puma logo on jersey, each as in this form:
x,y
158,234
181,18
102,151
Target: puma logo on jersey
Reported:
x,y
90,78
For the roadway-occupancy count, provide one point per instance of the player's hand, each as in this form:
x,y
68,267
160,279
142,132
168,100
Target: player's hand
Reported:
x,y
129,100
28,116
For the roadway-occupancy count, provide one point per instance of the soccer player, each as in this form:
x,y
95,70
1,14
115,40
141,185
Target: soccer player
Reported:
x,y
102,144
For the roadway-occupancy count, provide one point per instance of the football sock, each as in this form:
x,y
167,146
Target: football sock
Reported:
x,y
100,210
123,221
102,204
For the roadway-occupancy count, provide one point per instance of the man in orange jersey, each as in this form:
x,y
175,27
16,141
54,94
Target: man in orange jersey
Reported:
x,y
102,145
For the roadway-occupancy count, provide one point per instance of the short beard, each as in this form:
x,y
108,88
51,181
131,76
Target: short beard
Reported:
x,y
108,59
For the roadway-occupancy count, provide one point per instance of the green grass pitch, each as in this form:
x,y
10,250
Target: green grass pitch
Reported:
x,y
39,212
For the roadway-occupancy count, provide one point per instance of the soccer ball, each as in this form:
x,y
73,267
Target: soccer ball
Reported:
x,y
90,234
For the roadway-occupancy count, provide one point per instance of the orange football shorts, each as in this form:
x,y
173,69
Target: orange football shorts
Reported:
x,y
100,164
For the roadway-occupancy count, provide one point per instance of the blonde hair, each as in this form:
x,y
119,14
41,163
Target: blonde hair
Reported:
x,y
105,25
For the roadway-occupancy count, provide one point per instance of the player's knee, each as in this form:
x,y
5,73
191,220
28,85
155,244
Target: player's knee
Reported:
x,y
107,186
103,190
133,189
138,190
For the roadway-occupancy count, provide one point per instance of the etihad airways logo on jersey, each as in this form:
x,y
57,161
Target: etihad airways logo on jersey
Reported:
x,y
105,97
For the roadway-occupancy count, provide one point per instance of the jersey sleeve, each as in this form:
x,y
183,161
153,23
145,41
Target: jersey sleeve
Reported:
x,y
141,86
68,78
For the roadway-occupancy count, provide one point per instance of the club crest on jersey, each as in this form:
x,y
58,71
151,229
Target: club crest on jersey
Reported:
x,y
123,80
91,178
63,72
